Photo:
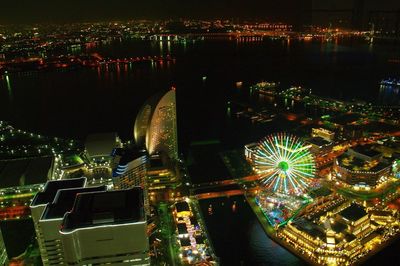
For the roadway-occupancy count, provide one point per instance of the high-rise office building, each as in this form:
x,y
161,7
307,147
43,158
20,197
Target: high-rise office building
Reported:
x,y
160,175
162,135
51,221
156,125
130,170
45,197
143,119
106,228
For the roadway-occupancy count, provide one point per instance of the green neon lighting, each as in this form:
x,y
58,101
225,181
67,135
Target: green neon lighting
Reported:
x,y
284,166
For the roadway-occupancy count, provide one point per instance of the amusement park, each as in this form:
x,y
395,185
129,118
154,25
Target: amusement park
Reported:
x,y
286,168
313,216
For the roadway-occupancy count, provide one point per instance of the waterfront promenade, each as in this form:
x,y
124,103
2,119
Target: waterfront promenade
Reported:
x,y
271,232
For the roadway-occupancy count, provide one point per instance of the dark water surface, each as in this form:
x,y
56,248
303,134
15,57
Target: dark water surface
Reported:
x,y
76,102
239,238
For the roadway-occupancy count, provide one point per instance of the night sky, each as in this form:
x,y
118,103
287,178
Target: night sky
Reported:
x,y
28,11
25,11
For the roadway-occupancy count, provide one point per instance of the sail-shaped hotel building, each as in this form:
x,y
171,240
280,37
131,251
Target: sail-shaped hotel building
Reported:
x,y
156,125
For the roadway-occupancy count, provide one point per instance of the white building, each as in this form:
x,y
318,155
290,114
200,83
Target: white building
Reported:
x,y
106,228
39,204
51,221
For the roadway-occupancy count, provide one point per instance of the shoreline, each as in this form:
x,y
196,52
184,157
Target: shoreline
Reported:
x,y
269,230
375,251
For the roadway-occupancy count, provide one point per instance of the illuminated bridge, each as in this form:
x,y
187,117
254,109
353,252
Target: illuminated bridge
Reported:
x,y
135,59
241,36
222,188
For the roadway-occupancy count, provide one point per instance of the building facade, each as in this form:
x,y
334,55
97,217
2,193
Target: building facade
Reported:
x,y
361,168
39,204
323,133
51,221
130,170
337,239
106,228
156,125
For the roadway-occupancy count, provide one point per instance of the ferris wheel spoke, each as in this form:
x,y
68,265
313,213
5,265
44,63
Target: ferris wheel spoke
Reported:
x,y
285,163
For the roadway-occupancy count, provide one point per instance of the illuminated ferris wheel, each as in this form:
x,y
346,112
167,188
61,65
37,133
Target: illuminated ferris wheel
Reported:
x,y
284,163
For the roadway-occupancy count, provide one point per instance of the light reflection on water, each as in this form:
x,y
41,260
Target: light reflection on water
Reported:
x,y
237,236
59,102
264,251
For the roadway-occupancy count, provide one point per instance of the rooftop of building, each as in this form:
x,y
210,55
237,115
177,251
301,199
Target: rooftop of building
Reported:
x,y
125,155
193,221
353,213
323,130
105,208
381,213
51,188
185,242
349,237
310,228
320,192
72,160
369,238
182,229
366,150
101,144
354,163
64,201
338,227
318,141
199,239
182,206
25,172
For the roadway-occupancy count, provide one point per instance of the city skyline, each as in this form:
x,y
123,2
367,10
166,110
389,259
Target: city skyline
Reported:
x,y
78,11
305,12
207,133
